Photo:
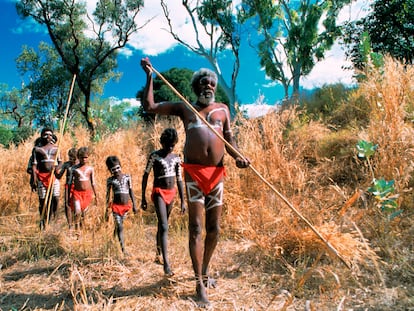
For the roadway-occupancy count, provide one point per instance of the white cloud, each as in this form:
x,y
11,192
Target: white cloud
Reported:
x,y
113,101
154,38
257,110
331,69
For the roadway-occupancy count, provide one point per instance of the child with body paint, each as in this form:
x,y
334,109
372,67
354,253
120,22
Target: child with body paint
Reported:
x,y
121,187
167,171
83,179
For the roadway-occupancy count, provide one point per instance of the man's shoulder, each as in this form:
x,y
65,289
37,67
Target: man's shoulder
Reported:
x,y
220,105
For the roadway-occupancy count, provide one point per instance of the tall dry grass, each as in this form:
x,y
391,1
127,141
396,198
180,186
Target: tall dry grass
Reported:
x,y
315,167
391,94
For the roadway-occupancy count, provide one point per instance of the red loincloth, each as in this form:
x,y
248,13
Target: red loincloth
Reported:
x,y
167,195
120,209
83,196
206,177
44,178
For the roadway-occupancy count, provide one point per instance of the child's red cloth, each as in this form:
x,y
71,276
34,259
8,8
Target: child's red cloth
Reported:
x,y
120,209
167,195
83,196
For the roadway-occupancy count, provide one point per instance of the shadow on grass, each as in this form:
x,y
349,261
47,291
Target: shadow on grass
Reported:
x,y
64,300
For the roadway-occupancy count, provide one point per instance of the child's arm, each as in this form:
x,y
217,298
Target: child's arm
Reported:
x,y
68,187
144,183
143,189
180,187
61,170
108,198
92,178
131,195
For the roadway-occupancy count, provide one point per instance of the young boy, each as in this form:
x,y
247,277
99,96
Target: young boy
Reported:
x,y
121,186
67,167
45,158
83,181
167,168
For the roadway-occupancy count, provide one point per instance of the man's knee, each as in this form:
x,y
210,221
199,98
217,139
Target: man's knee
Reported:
x,y
194,228
213,229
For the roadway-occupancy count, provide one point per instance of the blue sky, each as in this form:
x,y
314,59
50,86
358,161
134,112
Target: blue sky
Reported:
x,y
155,42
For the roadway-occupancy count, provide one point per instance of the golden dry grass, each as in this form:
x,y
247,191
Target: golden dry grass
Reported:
x,y
267,259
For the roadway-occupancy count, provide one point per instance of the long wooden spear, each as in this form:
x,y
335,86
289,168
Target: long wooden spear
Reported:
x,y
48,198
237,152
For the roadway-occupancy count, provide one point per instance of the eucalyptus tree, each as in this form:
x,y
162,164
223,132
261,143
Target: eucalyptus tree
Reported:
x,y
87,44
47,82
293,35
387,29
16,115
15,108
216,30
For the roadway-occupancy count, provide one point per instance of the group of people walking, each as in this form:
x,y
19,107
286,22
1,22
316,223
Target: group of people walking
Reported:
x,y
201,171
46,169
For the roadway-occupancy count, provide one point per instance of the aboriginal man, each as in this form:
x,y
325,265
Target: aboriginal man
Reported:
x,y
203,165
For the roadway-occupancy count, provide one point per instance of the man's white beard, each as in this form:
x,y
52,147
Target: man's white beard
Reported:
x,y
206,98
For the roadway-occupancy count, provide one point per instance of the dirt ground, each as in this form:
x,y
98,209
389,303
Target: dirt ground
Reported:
x,y
99,277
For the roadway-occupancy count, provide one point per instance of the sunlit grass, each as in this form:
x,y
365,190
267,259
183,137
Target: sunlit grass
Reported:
x,y
312,165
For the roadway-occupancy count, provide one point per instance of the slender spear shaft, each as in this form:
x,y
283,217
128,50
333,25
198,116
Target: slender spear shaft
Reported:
x,y
48,199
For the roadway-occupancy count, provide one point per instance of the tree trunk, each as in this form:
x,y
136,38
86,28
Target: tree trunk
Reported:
x,y
89,121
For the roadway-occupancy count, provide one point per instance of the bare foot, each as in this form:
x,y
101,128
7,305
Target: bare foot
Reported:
x,y
202,300
167,272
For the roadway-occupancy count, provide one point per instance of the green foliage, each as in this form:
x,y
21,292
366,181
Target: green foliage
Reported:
x,y
366,149
22,133
14,136
384,194
48,82
92,57
391,28
290,38
322,102
6,136
382,189
388,29
111,117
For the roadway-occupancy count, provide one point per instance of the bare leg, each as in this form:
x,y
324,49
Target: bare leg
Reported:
x,y
77,221
42,214
54,207
119,227
212,234
68,210
69,216
163,212
195,212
